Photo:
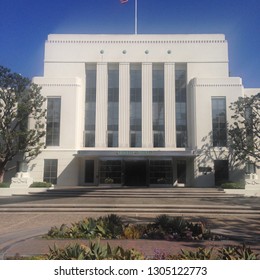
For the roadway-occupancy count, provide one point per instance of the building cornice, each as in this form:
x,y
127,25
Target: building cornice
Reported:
x,y
136,41
58,85
216,85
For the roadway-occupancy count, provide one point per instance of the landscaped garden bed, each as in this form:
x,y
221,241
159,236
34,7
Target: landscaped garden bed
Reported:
x,y
109,237
112,226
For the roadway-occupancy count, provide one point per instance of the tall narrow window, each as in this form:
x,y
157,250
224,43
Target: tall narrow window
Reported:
x,y
136,105
250,168
90,105
158,106
219,122
53,121
181,105
249,125
50,171
113,105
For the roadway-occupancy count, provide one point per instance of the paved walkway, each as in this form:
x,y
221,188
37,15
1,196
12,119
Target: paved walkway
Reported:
x,y
20,231
20,234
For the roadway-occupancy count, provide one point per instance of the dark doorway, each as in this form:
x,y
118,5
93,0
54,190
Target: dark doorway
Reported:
x,y
181,171
135,173
221,171
89,171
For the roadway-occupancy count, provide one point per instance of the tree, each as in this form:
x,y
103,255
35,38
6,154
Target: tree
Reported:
x,y
22,118
244,132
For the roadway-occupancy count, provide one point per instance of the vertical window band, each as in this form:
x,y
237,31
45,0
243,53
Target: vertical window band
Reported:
x,y
53,121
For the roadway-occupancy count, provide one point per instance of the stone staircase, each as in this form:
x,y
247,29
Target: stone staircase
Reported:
x,y
131,192
132,201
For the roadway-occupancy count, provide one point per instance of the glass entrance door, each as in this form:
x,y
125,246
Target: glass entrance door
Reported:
x,y
110,171
135,173
161,172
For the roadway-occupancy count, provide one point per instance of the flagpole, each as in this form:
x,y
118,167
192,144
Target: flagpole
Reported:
x,y
136,16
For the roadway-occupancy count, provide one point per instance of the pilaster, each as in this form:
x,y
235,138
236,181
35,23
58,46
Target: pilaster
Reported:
x,y
124,105
169,101
147,108
101,105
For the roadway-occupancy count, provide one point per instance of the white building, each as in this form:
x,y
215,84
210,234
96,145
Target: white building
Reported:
x,y
137,110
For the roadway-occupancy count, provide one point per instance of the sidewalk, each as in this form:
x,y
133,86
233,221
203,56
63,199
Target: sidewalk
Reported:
x,y
26,241
23,219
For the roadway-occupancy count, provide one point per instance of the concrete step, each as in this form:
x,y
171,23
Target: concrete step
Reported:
x,y
133,195
136,190
134,201
128,205
135,209
136,212
132,192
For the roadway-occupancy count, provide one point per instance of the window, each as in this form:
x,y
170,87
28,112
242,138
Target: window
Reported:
x,y
250,168
136,105
113,105
53,121
181,105
50,171
160,172
90,105
110,171
219,122
158,106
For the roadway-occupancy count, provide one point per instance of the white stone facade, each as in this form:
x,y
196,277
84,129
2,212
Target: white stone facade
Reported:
x,y
204,59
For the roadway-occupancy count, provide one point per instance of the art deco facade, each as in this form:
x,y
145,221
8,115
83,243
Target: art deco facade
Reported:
x,y
137,110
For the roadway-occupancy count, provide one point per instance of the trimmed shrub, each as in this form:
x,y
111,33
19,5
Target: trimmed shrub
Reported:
x,y
233,185
41,185
5,185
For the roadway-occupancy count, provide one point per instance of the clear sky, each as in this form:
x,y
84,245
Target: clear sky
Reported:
x,y
25,25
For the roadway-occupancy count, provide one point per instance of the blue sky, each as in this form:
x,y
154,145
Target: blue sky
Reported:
x,y
25,25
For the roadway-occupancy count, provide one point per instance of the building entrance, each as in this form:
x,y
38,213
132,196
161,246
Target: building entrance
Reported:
x,y
135,173
221,171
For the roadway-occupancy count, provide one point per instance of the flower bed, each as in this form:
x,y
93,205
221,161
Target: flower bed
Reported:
x,y
112,226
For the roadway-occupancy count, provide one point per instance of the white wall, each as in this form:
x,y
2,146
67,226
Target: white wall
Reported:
x,y
133,48
68,166
203,90
206,56
72,116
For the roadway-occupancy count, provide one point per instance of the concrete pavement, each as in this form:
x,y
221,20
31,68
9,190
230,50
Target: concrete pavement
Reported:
x,y
19,230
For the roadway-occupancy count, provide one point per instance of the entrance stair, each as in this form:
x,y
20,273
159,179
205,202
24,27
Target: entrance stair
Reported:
x,y
133,201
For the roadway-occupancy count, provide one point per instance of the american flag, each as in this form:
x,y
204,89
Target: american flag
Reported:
x,y
123,1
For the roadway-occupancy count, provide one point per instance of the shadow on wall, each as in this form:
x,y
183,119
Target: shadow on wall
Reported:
x,y
12,168
70,174
207,159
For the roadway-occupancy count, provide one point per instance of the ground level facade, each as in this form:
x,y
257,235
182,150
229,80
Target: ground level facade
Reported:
x,y
138,110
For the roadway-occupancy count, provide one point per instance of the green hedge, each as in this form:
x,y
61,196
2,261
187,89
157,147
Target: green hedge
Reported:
x,y
40,185
233,185
5,185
